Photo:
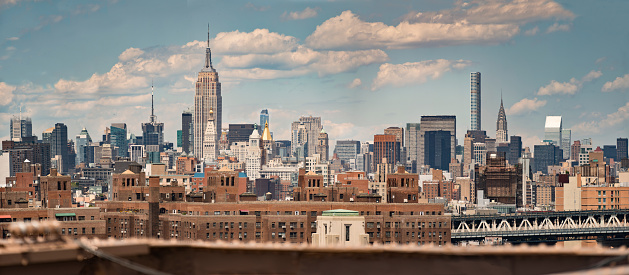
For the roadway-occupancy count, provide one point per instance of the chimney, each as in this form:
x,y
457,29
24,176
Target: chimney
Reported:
x,y
53,172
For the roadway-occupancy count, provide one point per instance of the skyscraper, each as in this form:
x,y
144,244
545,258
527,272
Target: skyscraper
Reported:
x,y
546,155
502,135
515,150
399,137
412,145
153,131
436,123
187,132
552,130
347,149
475,102
59,144
207,97
83,140
621,148
306,132
566,140
118,138
21,128
385,147
264,119
437,149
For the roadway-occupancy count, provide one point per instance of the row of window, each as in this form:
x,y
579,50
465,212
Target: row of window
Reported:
x,y
70,231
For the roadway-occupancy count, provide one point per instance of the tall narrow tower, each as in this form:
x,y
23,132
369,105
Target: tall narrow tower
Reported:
x,y
207,97
501,125
475,102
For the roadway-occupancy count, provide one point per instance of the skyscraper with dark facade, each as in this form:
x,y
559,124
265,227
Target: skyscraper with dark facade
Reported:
x,y
187,132
515,150
546,155
610,152
59,144
436,123
621,148
475,102
437,152
240,132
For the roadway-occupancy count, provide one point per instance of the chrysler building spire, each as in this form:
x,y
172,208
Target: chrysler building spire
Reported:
x,y
501,124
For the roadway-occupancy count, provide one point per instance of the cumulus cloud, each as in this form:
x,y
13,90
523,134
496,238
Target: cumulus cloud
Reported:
x,y
130,53
568,88
257,41
307,60
495,12
558,27
414,72
349,31
526,106
620,83
299,15
6,93
607,122
355,83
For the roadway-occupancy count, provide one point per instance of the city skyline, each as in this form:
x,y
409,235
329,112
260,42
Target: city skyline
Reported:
x,y
547,57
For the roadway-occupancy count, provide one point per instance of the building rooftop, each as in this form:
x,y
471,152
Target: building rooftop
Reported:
x,y
553,122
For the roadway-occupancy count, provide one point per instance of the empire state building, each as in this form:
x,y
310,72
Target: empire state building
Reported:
x,y
207,97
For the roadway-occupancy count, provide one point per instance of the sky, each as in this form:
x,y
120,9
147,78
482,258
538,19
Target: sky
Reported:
x,y
361,66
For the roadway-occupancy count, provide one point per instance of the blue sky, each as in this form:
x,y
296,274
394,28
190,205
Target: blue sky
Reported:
x,y
360,65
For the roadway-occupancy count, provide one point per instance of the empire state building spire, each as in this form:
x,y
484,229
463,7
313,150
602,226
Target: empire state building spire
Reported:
x,y
208,53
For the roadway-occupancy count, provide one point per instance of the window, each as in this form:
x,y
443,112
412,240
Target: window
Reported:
x,y
63,231
347,232
272,225
370,225
258,224
258,235
93,230
293,235
313,213
217,212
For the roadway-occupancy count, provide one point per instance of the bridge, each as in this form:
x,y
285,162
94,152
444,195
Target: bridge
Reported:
x,y
608,226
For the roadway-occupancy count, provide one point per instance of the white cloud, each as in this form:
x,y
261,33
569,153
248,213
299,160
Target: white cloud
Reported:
x,y
495,12
610,121
558,27
568,88
307,60
257,41
14,38
6,93
414,72
299,15
526,106
130,53
532,31
355,83
348,31
620,83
